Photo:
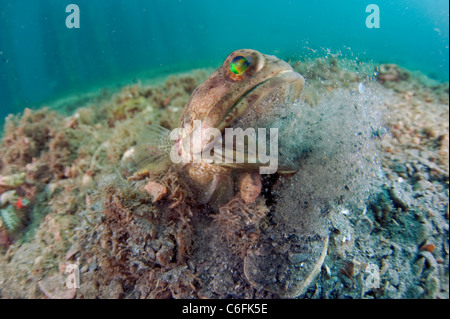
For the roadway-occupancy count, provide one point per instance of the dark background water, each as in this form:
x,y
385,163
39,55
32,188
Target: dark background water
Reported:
x,y
41,58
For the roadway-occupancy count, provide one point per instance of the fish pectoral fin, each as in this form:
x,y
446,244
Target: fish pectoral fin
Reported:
x,y
152,151
157,137
239,157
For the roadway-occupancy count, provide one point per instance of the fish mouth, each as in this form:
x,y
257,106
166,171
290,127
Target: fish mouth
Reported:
x,y
258,91
261,84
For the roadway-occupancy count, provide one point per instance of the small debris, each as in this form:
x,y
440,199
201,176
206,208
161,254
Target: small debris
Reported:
x,y
7,198
398,202
55,288
347,273
361,88
11,181
428,247
155,190
73,250
250,186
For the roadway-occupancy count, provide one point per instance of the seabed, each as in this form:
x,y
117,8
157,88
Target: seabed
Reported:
x,y
69,197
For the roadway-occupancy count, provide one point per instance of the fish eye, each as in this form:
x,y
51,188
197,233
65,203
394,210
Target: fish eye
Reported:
x,y
243,64
239,64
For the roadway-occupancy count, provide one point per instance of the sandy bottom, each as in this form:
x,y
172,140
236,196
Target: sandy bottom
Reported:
x,y
78,221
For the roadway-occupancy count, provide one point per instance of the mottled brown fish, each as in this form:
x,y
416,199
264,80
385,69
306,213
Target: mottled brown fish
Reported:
x,y
247,81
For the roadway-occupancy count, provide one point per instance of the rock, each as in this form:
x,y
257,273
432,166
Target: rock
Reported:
x,y
155,190
55,288
363,228
396,198
250,187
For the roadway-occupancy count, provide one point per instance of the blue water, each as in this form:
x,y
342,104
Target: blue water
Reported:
x,y
41,58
